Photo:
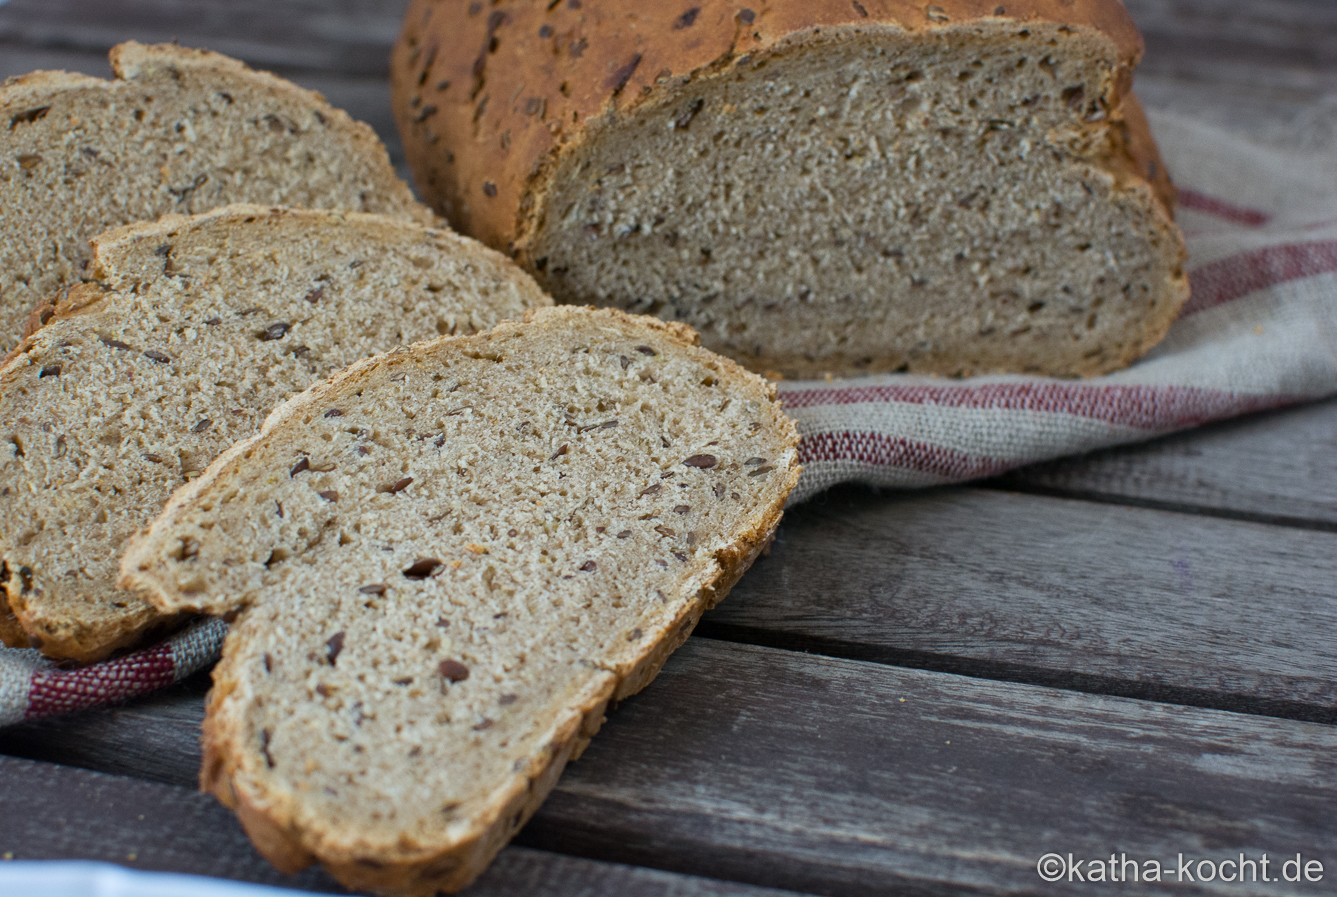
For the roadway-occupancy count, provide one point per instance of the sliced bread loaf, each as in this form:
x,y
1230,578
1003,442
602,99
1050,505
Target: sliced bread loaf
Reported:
x,y
195,329
815,185
484,540
178,131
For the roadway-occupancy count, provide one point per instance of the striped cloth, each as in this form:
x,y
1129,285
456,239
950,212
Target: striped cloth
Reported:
x,y
1259,332
32,686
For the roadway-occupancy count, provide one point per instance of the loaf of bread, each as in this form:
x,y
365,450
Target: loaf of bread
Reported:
x,y
484,540
817,186
178,131
194,330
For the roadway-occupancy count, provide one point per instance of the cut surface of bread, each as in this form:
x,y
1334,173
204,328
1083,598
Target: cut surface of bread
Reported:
x,y
178,131
816,187
484,540
196,328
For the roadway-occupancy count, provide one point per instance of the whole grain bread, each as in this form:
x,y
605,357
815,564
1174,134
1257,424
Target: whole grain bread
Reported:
x,y
484,540
817,186
194,329
178,131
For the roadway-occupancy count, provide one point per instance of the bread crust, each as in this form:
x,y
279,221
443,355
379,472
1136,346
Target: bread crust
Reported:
x,y
529,91
22,626
230,770
47,112
63,634
11,630
548,80
132,60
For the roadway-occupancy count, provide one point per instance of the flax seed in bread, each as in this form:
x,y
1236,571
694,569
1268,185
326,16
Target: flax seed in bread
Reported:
x,y
178,131
527,523
815,185
195,329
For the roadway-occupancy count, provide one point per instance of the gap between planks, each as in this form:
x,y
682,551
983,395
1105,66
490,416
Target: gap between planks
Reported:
x,y
1277,468
1090,597
836,777
350,38
163,828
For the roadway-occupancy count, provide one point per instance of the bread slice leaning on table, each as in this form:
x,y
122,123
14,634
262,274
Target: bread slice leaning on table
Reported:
x,y
485,540
178,131
195,328
817,186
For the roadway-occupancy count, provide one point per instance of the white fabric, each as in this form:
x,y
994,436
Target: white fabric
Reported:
x,y
32,878
1260,331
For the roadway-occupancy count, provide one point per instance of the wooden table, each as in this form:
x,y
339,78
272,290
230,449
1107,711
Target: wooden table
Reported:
x,y
1130,653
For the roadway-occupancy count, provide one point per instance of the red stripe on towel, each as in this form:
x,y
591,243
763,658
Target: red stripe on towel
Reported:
x,y
1145,407
1240,275
1219,208
60,691
880,450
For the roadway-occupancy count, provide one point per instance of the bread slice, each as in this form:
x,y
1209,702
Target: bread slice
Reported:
x,y
178,131
195,329
484,540
817,186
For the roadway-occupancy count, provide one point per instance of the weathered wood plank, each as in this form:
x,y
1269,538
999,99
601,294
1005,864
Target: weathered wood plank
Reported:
x,y
1279,467
1286,42
349,38
19,60
812,773
1281,24
1256,67
1094,597
155,738
839,777
55,812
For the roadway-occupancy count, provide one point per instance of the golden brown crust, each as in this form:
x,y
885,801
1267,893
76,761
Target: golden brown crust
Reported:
x,y
74,299
481,126
131,60
25,627
53,110
11,631
1143,155
486,130
1137,161
86,636
273,832
270,819
83,642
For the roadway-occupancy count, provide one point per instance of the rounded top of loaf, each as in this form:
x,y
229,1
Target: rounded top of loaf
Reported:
x,y
523,78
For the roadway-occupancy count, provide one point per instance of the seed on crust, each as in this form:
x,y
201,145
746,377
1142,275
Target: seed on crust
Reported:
x,y
453,671
334,646
423,568
276,331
